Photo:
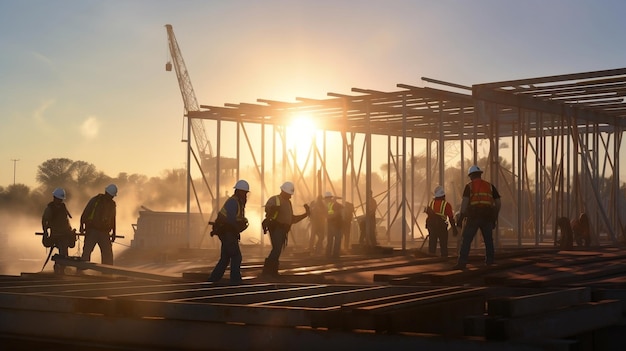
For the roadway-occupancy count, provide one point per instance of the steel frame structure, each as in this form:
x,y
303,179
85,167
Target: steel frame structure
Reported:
x,y
561,134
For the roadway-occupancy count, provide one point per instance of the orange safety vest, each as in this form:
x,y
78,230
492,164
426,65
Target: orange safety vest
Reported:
x,y
481,194
441,210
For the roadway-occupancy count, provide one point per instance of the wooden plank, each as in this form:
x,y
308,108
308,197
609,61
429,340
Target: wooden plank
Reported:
x,y
222,313
611,294
437,312
184,335
537,303
560,275
60,304
442,317
560,323
395,304
109,269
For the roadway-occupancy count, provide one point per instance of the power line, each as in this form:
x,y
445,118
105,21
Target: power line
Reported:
x,y
14,166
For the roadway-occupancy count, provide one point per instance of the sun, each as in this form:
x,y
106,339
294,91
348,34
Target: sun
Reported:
x,y
301,136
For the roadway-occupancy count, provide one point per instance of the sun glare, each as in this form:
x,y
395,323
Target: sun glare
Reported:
x,y
300,135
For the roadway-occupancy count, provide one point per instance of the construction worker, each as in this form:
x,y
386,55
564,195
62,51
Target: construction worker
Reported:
x,y
481,206
581,230
318,226
439,213
57,231
230,222
567,236
346,227
278,220
334,222
98,224
367,223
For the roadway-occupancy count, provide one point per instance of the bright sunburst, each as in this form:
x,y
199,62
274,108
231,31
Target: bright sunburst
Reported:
x,y
300,136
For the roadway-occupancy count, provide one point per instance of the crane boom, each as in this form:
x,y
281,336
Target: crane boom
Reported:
x,y
186,89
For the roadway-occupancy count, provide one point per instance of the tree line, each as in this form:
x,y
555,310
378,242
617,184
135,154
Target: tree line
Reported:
x,y
82,180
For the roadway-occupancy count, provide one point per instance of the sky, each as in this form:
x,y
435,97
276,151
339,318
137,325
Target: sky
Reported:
x,y
86,79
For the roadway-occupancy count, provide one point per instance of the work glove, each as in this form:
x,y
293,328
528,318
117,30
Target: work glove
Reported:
x,y
266,225
459,221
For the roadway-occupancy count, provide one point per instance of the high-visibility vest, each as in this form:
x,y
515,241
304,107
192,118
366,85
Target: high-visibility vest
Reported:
x,y
277,201
439,207
240,214
481,194
331,211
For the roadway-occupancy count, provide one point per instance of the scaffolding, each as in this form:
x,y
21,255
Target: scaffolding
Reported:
x,y
550,145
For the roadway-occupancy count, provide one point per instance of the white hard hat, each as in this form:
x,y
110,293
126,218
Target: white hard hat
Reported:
x,y
59,193
328,194
439,192
288,188
474,169
242,185
111,189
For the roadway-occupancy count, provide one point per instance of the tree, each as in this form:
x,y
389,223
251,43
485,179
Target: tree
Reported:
x,y
83,172
16,199
55,172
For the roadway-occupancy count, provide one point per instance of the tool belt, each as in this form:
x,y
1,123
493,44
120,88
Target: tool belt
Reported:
x,y
269,224
67,238
435,221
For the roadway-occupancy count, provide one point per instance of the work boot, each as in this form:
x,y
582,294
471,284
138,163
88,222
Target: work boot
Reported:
x,y
266,268
459,266
58,269
270,268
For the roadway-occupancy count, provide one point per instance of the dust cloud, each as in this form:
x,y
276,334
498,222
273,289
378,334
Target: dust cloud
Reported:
x,y
21,250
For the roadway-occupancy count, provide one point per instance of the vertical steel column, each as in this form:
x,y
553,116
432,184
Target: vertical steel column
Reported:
x,y
188,195
515,176
493,156
404,200
538,173
414,216
263,184
440,147
521,168
595,135
368,166
617,223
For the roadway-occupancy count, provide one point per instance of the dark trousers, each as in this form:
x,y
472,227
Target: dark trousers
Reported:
x,y
471,227
438,231
367,227
103,240
63,251
230,253
333,240
278,236
316,241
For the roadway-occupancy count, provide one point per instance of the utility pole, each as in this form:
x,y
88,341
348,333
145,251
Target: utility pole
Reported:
x,y
14,166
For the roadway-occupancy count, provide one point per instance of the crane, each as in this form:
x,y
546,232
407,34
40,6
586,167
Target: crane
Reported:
x,y
189,96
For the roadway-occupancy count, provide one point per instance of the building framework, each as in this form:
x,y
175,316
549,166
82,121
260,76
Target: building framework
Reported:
x,y
551,146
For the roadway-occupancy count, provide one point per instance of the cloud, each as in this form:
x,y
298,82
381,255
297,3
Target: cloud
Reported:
x,y
42,58
90,127
38,114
